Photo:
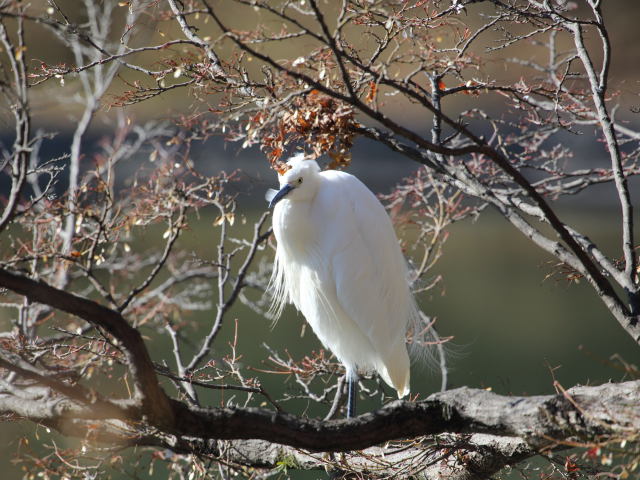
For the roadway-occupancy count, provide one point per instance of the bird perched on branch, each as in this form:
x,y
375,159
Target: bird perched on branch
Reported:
x,y
339,262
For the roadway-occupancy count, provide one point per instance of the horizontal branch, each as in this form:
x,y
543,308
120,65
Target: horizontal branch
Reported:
x,y
580,413
494,430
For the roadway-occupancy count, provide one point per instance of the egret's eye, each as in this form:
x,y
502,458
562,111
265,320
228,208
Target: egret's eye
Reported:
x,y
300,180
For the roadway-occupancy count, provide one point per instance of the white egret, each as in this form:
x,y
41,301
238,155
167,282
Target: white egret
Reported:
x,y
339,262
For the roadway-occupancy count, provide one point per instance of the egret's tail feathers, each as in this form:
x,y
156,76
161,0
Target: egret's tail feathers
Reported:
x,y
403,389
402,385
426,346
395,371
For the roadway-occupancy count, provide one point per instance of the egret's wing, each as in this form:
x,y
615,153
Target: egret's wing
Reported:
x,y
370,275
369,269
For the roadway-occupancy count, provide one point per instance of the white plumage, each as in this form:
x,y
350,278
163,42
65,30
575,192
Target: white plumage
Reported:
x,y
338,261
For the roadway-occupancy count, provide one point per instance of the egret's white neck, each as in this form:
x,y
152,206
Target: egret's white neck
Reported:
x,y
294,226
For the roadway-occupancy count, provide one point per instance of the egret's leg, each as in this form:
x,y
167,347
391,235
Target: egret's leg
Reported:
x,y
352,389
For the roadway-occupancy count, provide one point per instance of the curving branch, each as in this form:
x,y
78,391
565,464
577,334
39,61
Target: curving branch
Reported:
x,y
147,391
543,421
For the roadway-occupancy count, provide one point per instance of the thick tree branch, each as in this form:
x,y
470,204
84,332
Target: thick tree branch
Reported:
x,y
582,412
524,425
147,391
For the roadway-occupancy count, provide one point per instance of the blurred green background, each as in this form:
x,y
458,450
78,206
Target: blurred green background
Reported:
x,y
511,327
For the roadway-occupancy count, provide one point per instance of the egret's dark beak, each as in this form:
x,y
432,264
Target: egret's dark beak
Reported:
x,y
283,192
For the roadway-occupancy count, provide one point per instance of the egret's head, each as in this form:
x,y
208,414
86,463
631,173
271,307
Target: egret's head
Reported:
x,y
299,181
